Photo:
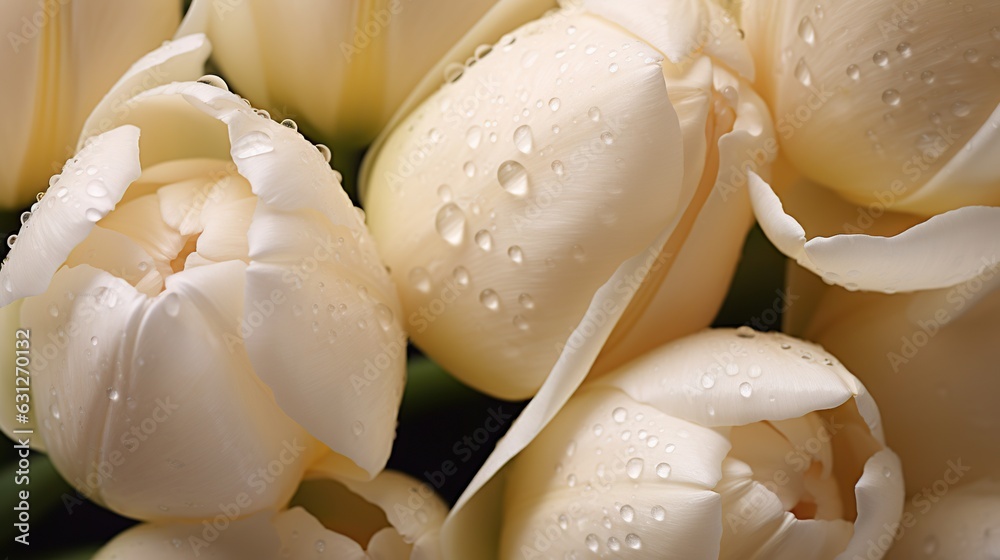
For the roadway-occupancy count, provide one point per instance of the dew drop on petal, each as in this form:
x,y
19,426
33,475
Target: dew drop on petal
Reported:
x,y
513,177
490,299
633,468
450,223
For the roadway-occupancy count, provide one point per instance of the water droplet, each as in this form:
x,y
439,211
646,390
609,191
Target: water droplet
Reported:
x,y
490,299
806,31
54,410
732,368
802,73
930,546
214,81
320,546
707,381
474,136
904,49
745,390
289,123
523,139
516,254
529,59
670,448
92,214
891,97
627,513
592,542
357,427
619,415
461,275
521,323
563,521
558,168
613,67
608,138
663,470
754,371
634,468
853,72
658,513
112,394
594,113
613,544
484,240
253,143
94,341
172,304
961,109
450,223
470,169
513,177
384,316
420,279
633,541
881,58
526,301
927,76
971,56
11,240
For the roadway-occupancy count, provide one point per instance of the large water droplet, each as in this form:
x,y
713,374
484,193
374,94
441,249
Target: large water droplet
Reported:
x,y
745,390
474,136
961,109
633,541
807,32
707,381
658,513
253,143
112,394
461,275
927,77
633,468
663,470
420,279
592,543
627,513
881,58
516,254
484,240
594,113
853,72
96,188
523,139
526,301
490,299
513,177
904,49
802,73
450,223
92,214
891,97
619,415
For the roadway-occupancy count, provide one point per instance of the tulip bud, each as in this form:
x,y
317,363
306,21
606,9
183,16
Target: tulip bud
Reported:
x,y
506,200
340,69
205,307
60,58
391,517
724,444
890,111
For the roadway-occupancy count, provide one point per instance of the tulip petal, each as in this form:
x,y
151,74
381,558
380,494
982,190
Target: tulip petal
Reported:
x,y
965,523
880,497
120,255
183,59
523,223
929,359
253,537
943,251
875,101
61,59
73,204
745,376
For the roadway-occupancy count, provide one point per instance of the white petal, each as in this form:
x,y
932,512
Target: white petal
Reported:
x,y
929,359
560,490
117,253
129,418
527,208
183,59
744,376
943,251
680,29
339,69
72,206
253,537
964,523
883,136
880,502
63,58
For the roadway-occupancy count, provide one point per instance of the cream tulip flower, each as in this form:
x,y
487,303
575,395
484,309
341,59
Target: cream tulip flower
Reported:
x,y
891,111
569,183
340,69
724,444
963,524
929,359
391,517
59,59
204,304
